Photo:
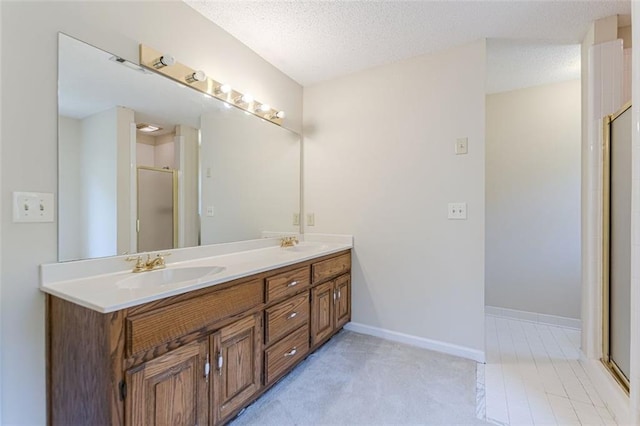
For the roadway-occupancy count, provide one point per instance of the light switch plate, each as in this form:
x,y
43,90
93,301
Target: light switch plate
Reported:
x,y
296,219
462,146
32,207
209,211
457,211
311,219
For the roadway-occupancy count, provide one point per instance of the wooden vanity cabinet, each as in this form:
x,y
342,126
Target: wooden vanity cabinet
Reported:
x,y
237,372
193,359
171,389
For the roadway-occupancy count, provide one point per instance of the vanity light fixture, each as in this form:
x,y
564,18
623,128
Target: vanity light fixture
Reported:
x,y
196,76
184,76
264,108
243,99
222,89
279,115
164,61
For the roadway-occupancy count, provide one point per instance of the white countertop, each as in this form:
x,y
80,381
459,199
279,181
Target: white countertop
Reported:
x,y
95,284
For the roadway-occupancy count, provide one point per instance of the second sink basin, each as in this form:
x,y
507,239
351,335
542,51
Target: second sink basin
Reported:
x,y
169,276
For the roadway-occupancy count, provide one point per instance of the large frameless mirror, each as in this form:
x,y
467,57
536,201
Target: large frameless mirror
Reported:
x,y
148,164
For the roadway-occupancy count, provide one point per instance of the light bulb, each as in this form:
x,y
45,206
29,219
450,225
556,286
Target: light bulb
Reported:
x,y
196,76
223,88
164,61
247,98
265,108
281,114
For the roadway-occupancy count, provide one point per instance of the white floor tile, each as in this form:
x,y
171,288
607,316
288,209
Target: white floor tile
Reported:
x,y
534,376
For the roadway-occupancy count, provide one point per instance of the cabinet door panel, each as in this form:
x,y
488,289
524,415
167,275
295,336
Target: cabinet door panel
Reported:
x,y
238,366
343,301
170,390
322,312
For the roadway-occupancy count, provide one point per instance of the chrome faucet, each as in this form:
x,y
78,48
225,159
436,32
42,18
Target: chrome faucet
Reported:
x,y
150,264
288,241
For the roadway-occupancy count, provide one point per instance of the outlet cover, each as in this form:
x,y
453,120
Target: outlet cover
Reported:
x,y
457,211
311,219
296,219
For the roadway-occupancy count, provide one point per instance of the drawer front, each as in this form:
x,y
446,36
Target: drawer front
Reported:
x,y
286,316
150,329
287,283
330,268
285,354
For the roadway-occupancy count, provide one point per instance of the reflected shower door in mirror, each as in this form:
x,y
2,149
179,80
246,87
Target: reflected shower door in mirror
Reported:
x,y
236,175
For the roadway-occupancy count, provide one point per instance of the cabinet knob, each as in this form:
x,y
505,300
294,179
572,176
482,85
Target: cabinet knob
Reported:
x,y
292,315
292,284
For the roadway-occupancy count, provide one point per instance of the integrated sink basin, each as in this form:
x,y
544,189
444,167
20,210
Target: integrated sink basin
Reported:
x,y
169,277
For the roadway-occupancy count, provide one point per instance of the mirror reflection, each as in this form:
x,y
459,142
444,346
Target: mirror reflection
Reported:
x,y
148,164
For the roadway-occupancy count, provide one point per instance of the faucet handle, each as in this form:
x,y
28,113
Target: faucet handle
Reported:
x,y
140,265
163,255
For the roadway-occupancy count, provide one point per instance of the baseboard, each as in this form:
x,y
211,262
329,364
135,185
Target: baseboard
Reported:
x,y
434,345
555,320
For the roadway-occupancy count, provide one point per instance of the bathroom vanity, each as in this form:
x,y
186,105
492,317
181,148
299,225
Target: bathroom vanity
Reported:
x,y
122,350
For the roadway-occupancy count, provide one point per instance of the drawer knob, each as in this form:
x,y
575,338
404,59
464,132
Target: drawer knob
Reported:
x,y
292,284
292,352
292,315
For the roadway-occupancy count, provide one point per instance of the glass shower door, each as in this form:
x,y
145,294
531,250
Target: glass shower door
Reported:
x,y
157,211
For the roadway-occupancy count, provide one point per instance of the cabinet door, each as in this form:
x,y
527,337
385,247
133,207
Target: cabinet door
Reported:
x,y
171,389
343,301
237,357
322,316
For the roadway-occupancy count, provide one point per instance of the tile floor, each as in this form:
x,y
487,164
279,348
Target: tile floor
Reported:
x,y
534,376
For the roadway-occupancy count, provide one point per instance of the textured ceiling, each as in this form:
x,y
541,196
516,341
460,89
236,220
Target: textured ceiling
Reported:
x,y
312,41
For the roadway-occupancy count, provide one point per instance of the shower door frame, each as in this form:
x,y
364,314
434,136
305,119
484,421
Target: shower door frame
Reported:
x,y
606,359
174,189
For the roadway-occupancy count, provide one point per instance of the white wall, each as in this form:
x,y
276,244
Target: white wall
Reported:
x,y
379,163
165,151
145,150
29,44
70,148
533,199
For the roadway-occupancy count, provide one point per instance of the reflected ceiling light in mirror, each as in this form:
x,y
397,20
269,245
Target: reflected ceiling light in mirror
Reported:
x,y
147,128
163,61
196,76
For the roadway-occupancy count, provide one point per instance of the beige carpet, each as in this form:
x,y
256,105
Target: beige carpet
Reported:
x,y
362,380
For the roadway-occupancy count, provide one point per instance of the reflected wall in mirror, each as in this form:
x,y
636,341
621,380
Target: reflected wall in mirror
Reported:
x,y
210,173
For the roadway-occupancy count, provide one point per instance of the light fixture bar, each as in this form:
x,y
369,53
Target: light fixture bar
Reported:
x,y
166,65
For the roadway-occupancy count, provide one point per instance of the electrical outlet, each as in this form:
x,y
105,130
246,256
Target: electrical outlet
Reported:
x,y
210,211
32,207
311,219
457,211
296,219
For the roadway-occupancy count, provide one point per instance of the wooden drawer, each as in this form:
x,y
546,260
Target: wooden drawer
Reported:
x,y
286,316
287,283
286,353
330,268
150,329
